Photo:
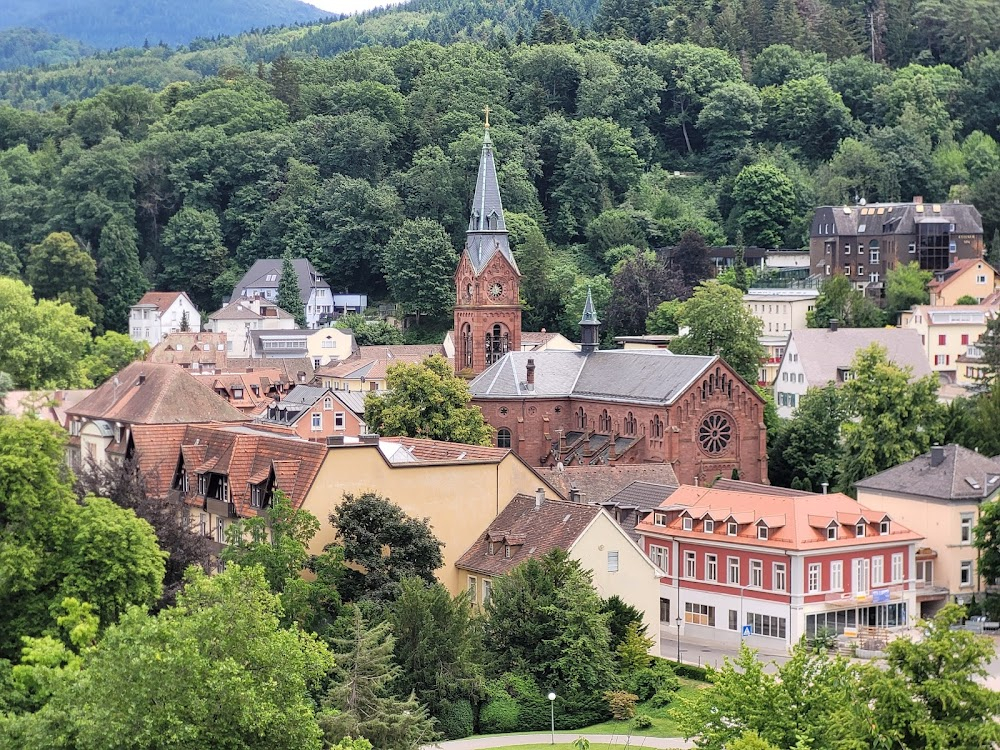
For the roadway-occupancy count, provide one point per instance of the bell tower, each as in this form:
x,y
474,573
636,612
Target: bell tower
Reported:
x,y
487,281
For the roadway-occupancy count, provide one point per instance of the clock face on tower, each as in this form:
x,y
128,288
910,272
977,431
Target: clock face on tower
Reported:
x,y
496,290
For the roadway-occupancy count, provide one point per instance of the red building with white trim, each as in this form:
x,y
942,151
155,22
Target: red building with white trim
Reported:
x,y
784,565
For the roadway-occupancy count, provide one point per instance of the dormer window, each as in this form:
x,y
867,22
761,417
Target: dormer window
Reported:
x,y
831,533
492,548
709,526
859,530
659,519
237,393
506,551
732,528
688,524
762,532
883,527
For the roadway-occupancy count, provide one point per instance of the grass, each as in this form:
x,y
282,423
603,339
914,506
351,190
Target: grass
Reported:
x,y
664,724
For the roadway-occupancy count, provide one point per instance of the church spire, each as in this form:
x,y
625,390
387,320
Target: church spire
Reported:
x,y
589,326
487,208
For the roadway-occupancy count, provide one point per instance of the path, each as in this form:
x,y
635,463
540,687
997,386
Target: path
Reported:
x,y
508,740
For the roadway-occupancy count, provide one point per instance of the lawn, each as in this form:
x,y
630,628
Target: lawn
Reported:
x,y
663,723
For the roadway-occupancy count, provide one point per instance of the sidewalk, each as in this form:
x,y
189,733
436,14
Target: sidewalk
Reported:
x,y
702,652
510,740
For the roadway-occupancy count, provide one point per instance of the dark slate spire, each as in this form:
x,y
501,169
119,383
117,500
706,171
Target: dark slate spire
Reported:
x,y
487,233
590,326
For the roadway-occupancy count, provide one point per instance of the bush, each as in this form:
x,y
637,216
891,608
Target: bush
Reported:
x,y
501,711
663,697
690,671
642,721
455,719
622,704
647,682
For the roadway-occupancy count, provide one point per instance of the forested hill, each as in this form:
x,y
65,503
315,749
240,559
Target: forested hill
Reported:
x,y
109,24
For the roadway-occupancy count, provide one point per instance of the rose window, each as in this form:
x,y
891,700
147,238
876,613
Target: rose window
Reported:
x,y
715,433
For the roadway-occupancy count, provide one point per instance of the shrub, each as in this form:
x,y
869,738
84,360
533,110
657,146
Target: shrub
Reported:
x,y
455,719
663,697
622,704
690,671
642,721
501,711
647,682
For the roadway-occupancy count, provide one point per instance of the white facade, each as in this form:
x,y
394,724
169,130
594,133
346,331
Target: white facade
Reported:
x,y
781,310
160,313
790,382
239,318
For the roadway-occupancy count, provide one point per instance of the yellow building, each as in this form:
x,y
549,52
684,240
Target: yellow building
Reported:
x,y
939,495
532,526
780,310
946,334
972,277
459,488
322,345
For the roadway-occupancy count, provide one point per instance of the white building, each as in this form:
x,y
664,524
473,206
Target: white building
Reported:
x,y
160,313
781,310
264,276
815,357
246,314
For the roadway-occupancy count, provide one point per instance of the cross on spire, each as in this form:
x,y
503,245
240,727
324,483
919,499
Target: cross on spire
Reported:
x,y
487,110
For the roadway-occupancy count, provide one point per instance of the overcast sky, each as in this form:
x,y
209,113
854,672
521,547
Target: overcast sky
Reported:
x,y
349,6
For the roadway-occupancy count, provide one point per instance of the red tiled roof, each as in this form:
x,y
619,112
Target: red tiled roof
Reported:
x,y
597,483
188,347
794,522
162,300
530,532
156,449
244,454
952,272
437,450
148,393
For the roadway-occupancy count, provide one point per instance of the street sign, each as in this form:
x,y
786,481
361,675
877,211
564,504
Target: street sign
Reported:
x,y
747,630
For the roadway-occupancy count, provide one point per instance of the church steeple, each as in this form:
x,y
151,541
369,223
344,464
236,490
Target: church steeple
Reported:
x,y
487,232
487,280
590,326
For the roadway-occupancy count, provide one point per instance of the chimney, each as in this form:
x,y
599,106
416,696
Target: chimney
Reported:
x,y
825,486
834,325
333,440
539,497
918,199
937,455
574,495
530,382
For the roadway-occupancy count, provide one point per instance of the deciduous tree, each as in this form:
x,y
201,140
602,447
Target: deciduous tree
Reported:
x,y
418,263
905,286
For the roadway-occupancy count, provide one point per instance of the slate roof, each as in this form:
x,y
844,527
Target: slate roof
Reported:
x,y
953,479
635,501
484,240
167,395
257,277
599,483
634,376
822,351
898,218
531,532
796,522
355,400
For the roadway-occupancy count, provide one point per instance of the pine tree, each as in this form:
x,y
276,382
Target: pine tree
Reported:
x,y
185,321
364,673
289,294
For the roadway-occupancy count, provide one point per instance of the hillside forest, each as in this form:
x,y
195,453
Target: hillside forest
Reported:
x,y
640,129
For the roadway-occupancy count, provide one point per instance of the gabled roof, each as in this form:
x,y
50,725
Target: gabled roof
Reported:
x,y
294,369
597,484
650,376
186,348
822,351
156,447
792,521
239,309
532,531
148,393
243,453
266,274
962,475
161,300
955,271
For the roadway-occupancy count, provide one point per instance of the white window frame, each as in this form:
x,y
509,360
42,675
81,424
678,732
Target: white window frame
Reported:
x,y
878,570
339,420
779,577
815,581
659,556
613,561
966,521
897,567
659,519
884,528
487,590
732,528
708,526
711,567
762,533
756,574
317,417
328,403
473,588
965,573
690,565
731,563
837,575
687,523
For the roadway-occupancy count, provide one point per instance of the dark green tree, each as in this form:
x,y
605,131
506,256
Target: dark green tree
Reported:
x,y
120,281
807,447
906,286
690,258
369,332
765,204
361,695
58,268
193,253
839,300
424,286
10,263
289,294
384,546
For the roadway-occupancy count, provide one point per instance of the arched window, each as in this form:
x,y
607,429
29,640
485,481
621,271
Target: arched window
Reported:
x,y
581,418
656,428
327,404
630,424
465,346
497,343
503,438
605,420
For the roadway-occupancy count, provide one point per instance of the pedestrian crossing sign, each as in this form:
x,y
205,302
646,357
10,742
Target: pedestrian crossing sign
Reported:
x,y
747,630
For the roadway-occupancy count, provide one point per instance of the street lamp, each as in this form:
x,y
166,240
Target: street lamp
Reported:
x,y
678,622
552,715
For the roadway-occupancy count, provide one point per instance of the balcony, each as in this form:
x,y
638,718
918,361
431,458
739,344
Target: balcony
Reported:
x,y
220,507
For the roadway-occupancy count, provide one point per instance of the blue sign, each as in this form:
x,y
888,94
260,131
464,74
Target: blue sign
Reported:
x,y
747,630
880,596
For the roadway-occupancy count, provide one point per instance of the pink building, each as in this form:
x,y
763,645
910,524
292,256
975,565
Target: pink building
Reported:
x,y
783,565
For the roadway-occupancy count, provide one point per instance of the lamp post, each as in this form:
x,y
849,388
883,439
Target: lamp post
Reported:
x,y
552,715
678,622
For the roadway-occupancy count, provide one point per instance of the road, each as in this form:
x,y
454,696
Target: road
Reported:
x,y
508,740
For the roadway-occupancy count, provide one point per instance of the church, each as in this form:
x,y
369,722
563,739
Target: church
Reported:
x,y
591,407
